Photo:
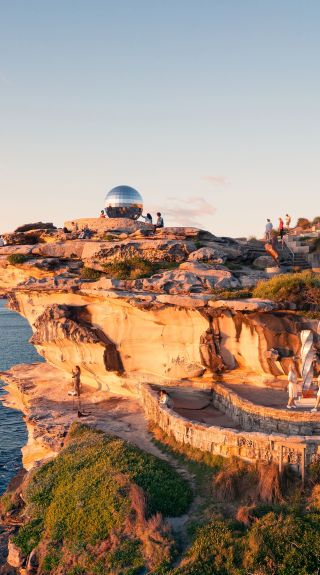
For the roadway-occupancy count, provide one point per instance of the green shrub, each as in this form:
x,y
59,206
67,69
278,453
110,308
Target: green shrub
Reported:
x,y
283,545
213,552
85,497
132,268
302,289
29,535
90,274
16,259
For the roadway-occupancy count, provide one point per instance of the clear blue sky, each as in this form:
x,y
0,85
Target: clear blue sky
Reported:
x,y
210,108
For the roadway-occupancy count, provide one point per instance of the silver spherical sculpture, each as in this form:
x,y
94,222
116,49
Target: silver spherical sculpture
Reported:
x,y
124,202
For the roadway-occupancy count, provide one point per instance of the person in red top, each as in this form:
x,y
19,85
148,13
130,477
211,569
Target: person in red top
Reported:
x,y
281,229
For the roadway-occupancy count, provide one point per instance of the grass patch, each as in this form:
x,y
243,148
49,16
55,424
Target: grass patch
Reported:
x,y
102,493
135,268
17,259
90,274
302,289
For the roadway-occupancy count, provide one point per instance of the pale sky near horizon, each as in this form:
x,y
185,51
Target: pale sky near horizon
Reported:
x,y
210,108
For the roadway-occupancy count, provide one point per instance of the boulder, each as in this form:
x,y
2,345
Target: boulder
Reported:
x,y
263,262
216,276
36,226
15,556
207,254
245,304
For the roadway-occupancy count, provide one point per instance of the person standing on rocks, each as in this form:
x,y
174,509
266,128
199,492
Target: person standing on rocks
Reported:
x,y
269,228
292,386
76,380
281,230
288,222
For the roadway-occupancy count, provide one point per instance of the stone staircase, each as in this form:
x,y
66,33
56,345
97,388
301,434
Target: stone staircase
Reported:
x,y
298,250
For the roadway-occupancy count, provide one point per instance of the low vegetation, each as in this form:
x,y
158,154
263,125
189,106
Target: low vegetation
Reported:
x,y
232,294
253,522
17,259
90,274
302,289
134,268
98,508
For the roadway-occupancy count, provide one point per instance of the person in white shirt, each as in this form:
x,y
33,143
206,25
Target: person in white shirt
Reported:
x,y
159,222
2,242
147,218
269,228
292,386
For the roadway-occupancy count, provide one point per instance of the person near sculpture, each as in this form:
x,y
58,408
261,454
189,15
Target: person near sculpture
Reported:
x,y
315,408
102,214
292,386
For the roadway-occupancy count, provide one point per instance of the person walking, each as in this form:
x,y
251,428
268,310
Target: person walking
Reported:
x,y
292,386
268,232
288,222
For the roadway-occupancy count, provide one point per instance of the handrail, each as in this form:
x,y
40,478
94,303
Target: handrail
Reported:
x,y
289,249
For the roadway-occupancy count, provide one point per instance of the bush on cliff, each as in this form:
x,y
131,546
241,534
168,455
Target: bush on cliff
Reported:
x,y
90,274
302,289
132,268
276,544
16,259
97,506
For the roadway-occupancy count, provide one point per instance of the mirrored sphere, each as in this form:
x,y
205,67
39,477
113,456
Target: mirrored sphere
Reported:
x,y
124,202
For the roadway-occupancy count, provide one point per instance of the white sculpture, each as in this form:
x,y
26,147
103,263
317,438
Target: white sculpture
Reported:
x,y
307,357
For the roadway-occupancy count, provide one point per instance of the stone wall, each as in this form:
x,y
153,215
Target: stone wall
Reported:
x,y
250,446
251,417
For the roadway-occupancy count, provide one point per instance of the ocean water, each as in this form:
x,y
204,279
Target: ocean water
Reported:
x,y
14,348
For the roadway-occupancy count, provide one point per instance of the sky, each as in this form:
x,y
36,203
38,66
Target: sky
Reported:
x,y
210,108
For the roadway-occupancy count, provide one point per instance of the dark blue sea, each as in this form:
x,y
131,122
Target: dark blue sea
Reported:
x,y
14,348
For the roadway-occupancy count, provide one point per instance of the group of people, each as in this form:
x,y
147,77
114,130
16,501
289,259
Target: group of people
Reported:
x,y
159,221
293,388
283,228
148,219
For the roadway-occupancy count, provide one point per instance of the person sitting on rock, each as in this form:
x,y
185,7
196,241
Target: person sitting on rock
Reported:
x,y
102,214
164,398
147,218
292,386
159,222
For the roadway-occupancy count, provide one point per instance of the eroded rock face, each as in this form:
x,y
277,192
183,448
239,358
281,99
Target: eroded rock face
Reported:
x,y
65,327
